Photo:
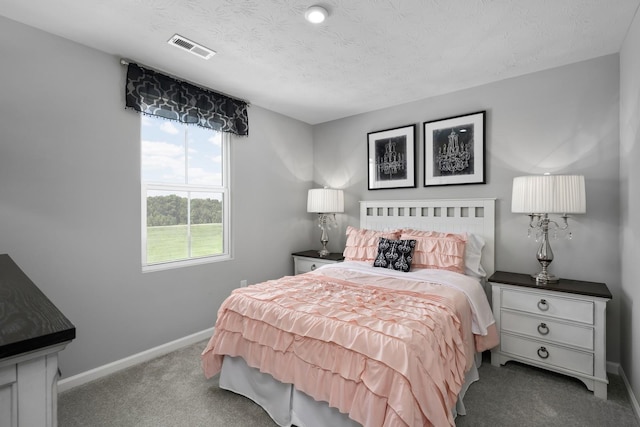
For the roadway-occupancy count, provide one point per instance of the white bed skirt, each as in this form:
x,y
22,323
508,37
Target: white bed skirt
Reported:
x,y
288,406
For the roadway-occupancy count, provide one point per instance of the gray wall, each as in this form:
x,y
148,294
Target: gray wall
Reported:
x,y
70,201
630,206
563,120
70,208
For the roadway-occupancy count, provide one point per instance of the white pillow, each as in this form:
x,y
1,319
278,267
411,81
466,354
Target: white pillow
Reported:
x,y
472,256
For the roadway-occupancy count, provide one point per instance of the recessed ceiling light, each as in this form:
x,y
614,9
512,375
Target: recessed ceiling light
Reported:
x,y
315,14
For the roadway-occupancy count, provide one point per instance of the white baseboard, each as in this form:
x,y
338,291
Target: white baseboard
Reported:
x,y
616,368
632,396
118,365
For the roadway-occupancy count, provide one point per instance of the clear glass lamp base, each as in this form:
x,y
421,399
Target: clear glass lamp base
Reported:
x,y
324,239
544,257
324,251
544,276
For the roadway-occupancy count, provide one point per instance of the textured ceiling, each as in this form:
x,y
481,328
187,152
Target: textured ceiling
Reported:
x,y
367,55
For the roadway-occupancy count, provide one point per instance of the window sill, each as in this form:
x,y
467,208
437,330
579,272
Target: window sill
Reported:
x,y
184,263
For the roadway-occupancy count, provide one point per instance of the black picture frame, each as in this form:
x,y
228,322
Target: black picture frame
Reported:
x,y
391,158
454,150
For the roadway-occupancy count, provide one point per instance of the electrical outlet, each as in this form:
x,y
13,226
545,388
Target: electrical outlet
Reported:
x,y
243,283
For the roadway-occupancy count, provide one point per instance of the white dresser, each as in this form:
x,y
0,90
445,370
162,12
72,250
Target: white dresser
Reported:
x,y
32,332
557,326
306,261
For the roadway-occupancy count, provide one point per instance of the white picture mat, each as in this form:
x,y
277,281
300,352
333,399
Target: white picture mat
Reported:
x,y
477,119
372,137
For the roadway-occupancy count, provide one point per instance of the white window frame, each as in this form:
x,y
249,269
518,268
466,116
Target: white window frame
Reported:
x,y
224,189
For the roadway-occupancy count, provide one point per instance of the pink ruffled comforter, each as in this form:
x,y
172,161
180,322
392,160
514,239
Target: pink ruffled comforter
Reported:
x,y
385,357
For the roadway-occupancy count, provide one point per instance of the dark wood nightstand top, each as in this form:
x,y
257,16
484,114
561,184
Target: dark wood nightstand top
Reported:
x,y
30,321
579,287
333,256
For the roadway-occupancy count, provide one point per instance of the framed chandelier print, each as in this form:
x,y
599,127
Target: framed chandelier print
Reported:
x,y
392,162
454,150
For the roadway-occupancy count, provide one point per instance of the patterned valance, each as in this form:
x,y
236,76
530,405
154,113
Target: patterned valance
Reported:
x,y
153,93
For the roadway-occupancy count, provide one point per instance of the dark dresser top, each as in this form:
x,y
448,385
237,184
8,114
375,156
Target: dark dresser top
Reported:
x,y
333,256
579,287
28,319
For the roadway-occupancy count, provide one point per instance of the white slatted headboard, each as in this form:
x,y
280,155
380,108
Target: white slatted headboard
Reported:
x,y
454,215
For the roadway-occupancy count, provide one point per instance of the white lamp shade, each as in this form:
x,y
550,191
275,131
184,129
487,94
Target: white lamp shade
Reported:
x,y
325,200
562,194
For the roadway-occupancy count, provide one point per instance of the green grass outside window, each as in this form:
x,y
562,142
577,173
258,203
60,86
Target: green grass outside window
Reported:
x,y
170,243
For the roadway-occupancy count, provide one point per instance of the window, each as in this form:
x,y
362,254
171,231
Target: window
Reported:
x,y
185,194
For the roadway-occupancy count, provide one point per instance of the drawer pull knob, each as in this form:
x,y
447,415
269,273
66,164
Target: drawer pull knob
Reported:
x,y
543,329
543,305
313,267
543,353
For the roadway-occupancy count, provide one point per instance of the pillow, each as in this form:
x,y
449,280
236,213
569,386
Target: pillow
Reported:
x,y
472,256
395,254
362,244
444,251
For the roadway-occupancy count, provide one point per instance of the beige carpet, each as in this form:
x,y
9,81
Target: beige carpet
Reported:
x,y
171,391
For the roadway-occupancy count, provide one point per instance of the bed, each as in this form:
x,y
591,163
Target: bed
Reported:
x,y
351,344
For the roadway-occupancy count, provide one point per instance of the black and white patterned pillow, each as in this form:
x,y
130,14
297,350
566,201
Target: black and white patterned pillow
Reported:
x,y
395,254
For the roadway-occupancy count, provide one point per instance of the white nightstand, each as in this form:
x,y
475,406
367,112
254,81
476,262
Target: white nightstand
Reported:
x,y
306,261
556,326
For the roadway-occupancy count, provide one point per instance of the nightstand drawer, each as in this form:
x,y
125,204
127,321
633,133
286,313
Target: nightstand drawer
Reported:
x,y
547,305
548,354
544,329
304,262
305,265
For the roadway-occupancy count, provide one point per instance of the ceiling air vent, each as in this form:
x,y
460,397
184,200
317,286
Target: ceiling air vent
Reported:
x,y
193,47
